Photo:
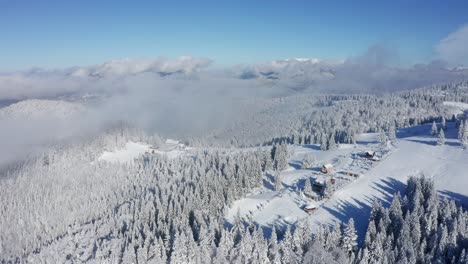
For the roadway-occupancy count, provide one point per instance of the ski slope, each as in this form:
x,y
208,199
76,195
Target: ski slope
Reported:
x,y
413,153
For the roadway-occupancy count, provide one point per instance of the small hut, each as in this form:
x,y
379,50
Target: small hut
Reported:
x,y
327,168
370,154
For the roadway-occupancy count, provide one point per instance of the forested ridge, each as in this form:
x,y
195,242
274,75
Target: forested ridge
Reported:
x,y
67,206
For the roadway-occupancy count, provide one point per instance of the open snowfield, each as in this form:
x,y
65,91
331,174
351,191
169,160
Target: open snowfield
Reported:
x,y
132,150
456,107
413,153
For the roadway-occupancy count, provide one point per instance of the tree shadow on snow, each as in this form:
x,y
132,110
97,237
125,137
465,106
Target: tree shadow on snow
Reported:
x,y
360,210
433,142
423,131
459,198
295,164
388,188
267,184
309,146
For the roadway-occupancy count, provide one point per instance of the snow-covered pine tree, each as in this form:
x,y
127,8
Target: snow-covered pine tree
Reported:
x,y
267,161
382,138
307,186
281,157
461,130
349,237
434,129
464,138
273,249
278,183
441,140
308,161
392,132
323,143
331,142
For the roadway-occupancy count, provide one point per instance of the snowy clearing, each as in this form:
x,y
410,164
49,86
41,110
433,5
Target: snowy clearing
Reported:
x,y
132,150
456,107
413,153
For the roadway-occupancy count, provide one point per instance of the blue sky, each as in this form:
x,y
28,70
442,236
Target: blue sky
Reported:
x,y
56,34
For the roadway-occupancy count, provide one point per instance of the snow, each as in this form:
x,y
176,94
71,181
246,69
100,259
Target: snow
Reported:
x,y
131,151
310,206
36,108
269,207
172,141
456,107
413,153
132,66
171,149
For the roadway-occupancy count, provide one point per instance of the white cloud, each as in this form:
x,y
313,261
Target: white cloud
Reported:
x,y
128,66
454,48
176,98
91,79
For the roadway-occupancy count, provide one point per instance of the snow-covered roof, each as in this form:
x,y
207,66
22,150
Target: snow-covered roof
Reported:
x,y
320,180
370,152
328,166
310,206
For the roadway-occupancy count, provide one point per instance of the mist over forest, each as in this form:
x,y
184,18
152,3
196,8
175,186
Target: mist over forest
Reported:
x,y
236,132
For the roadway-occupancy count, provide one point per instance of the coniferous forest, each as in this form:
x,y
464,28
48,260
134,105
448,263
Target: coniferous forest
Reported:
x,y
67,206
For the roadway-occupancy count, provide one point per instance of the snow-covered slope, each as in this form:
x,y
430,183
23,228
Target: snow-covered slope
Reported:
x,y
456,107
132,150
36,108
413,153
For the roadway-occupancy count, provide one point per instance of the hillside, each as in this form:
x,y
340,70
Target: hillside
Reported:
x,y
37,109
124,195
414,153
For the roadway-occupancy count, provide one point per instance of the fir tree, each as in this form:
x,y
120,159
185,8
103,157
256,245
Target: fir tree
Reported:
x,y
464,136
278,183
382,138
461,130
441,140
307,162
348,241
307,186
434,129
392,132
